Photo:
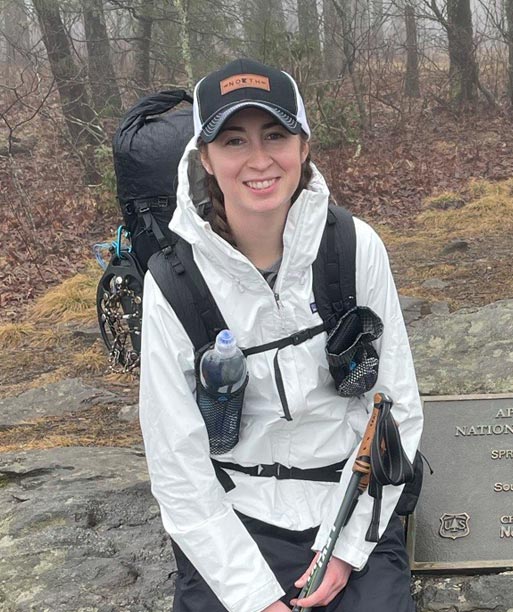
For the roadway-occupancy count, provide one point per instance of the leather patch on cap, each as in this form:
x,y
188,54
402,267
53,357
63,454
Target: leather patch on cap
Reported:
x,y
239,81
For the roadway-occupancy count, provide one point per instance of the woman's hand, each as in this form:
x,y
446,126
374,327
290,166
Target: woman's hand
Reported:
x,y
277,606
335,579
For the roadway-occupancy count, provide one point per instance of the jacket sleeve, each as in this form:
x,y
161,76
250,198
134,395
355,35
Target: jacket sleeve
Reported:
x,y
375,288
193,504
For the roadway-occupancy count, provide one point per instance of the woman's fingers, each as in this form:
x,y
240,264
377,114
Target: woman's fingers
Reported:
x,y
321,597
335,579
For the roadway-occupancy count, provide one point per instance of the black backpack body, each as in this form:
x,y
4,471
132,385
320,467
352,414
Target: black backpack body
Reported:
x,y
147,148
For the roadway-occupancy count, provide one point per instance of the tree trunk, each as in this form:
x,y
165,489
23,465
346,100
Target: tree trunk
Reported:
x,y
16,31
463,72
104,88
377,23
185,40
143,46
78,114
309,35
264,28
509,20
411,83
344,9
333,41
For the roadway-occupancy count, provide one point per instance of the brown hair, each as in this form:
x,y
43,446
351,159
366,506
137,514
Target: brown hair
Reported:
x,y
217,217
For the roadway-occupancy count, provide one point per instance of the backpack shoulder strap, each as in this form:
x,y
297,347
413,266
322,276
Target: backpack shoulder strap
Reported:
x,y
184,287
334,270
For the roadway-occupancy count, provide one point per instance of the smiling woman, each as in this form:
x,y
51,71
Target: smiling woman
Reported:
x,y
257,164
245,524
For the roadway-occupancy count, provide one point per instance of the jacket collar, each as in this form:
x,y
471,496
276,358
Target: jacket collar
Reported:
x,y
301,238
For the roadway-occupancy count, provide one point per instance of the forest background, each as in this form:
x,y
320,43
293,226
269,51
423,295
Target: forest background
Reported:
x,y
410,103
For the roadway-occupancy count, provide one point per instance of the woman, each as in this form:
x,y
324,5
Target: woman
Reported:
x,y
249,549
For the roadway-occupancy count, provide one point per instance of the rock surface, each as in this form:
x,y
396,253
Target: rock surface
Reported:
x,y
413,308
52,400
481,593
129,413
80,532
468,351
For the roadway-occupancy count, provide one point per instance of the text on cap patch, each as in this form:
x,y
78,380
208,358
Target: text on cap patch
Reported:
x,y
239,81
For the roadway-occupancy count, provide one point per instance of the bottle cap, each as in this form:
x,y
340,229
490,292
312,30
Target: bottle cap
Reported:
x,y
225,342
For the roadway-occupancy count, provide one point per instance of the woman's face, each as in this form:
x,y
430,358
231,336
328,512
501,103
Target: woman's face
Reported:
x,y
256,161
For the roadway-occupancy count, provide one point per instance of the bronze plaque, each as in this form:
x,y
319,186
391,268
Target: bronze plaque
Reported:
x,y
464,518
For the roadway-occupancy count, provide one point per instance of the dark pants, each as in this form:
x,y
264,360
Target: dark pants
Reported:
x,y
382,586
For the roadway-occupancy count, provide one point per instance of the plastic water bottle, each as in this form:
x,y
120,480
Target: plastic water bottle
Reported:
x,y
223,368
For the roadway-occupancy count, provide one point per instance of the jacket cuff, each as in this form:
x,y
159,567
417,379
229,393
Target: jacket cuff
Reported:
x,y
266,596
233,566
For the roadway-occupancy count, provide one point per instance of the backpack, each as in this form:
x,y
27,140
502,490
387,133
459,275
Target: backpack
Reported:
x,y
147,147
334,287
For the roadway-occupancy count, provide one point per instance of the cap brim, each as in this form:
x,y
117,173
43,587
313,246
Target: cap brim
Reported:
x,y
213,125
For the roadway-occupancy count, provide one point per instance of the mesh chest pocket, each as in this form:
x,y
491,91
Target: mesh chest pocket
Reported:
x,y
353,361
222,415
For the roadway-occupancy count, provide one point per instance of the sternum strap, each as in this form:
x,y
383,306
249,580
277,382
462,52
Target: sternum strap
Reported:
x,y
294,339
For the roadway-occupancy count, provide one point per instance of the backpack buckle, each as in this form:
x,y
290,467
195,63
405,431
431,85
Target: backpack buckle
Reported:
x,y
300,337
279,471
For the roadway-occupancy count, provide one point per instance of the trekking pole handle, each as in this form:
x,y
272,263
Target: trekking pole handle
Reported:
x,y
362,461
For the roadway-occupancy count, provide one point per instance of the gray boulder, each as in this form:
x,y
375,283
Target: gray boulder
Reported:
x,y
80,532
54,399
481,593
468,351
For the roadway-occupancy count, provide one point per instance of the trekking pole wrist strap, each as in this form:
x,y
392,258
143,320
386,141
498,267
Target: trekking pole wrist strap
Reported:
x,y
389,465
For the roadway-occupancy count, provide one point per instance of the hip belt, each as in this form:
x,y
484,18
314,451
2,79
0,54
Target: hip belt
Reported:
x,y
328,473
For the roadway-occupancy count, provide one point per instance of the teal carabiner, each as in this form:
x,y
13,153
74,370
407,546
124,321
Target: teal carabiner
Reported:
x,y
119,237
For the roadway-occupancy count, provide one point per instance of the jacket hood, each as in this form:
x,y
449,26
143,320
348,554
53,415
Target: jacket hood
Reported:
x,y
303,228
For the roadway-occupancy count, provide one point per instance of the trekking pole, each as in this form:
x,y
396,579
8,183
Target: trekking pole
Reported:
x,y
357,485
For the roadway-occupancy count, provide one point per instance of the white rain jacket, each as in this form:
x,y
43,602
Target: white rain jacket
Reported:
x,y
325,428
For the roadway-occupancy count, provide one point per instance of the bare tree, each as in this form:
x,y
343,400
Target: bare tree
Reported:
x,y
15,30
411,82
104,88
309,35
185,40
463,70
333,40
463,66
378,19
142,46
509,39
264,29
347,16
78,114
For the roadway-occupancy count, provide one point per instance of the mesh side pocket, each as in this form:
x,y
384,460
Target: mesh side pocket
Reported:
x,y
352,359
221,413
359,373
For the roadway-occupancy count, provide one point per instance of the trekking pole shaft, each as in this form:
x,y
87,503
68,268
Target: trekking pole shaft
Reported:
x,y
357,484
343,516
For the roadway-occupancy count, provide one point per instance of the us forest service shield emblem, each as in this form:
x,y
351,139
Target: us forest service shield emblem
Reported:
x,y
454,526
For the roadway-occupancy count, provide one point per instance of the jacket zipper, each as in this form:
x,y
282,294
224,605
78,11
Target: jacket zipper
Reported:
x,y
277,374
